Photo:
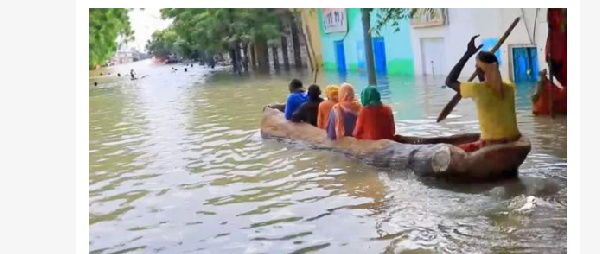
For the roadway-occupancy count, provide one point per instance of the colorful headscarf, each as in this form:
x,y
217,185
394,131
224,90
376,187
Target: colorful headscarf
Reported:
x,y
332,92
370,96
347,102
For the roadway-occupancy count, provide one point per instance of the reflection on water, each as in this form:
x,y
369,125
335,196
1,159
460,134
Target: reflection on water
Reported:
x,y
177,165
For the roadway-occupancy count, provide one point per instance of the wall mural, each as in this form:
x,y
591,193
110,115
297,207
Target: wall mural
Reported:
x,y
429,17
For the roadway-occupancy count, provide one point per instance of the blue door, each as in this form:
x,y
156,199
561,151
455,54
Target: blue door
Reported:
x,y
339,54
360,56
525,64
533,62
379,53
520,64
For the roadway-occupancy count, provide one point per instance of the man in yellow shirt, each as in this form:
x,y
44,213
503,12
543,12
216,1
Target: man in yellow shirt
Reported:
x,y
494,98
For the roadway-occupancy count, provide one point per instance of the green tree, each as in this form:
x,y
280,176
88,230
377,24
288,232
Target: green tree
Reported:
x,y
393,16
385,16
163,43
105,26
220,29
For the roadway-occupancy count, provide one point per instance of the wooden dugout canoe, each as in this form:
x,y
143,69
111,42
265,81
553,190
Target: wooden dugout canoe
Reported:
x,y
436,156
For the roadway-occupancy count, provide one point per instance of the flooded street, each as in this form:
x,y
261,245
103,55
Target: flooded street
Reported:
x,y
177,165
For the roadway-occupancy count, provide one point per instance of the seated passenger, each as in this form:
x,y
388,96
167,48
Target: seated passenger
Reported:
x,y
342,117
541,98
295,99
308,111
375,120
325,107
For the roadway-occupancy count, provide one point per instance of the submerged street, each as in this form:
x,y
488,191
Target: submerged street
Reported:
x,y
177,165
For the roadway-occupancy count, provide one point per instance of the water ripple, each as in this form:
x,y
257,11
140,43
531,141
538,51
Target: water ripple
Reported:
x,y
177,165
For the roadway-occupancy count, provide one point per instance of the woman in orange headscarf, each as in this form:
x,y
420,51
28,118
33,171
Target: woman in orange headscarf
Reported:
x,y
342,117
325,107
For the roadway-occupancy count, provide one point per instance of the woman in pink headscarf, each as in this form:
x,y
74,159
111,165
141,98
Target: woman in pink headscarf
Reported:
x,y
342,118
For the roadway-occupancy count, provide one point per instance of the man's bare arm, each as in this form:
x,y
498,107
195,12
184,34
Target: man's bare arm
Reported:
x,y
452,79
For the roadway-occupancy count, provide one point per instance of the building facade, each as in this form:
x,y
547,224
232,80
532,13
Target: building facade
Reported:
x,y
438,47
125,56
310,26
343,45
432,42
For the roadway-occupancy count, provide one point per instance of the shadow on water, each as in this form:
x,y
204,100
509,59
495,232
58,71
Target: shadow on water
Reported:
x,y
506,188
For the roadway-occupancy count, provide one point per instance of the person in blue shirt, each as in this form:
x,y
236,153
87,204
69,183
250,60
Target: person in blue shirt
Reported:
x,y
308,111
295,99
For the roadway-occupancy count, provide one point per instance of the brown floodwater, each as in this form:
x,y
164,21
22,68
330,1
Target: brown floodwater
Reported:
x,y
177,165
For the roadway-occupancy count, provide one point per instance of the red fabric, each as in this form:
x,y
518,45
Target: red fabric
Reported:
x,y
472,147
558,49
559,96
562,74
375,122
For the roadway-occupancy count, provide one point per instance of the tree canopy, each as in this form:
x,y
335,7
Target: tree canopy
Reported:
x,y
393,16
106,25
215,29
163,43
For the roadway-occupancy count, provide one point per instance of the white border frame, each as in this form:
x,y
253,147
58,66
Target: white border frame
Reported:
x,y
82,99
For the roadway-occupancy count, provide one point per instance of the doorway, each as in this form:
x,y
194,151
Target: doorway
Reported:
x,y
339,55
525,64
360,56
379,54
432,56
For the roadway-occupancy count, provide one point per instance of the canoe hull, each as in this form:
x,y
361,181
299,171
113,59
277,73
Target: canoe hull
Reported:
x,y
438,157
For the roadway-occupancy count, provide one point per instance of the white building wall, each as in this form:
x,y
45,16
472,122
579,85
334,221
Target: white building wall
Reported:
x,y
531,31
462,24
